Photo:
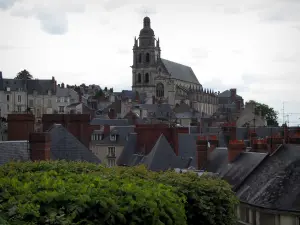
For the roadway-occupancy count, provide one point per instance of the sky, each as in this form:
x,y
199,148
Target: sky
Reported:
x,y
251,45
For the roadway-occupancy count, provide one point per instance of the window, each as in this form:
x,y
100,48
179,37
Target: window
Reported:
x,y
19,108
160,90
31,103
113,137
111,152
147,78
7,98
62,99
140,58
19,98
58,100
111,162
147,58
61,109
139,78
49,103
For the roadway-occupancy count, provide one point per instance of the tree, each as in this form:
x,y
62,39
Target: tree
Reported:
x,y
99,94
24,75
268,112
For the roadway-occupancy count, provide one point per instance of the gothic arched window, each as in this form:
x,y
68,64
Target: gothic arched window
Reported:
x,y
147,58
160,90
147,78
139,78
140,58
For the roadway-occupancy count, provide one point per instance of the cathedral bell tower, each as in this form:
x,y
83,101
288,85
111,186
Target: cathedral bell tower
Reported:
x,y
146,53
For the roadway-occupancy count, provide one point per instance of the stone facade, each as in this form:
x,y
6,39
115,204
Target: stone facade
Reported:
x,y
167,81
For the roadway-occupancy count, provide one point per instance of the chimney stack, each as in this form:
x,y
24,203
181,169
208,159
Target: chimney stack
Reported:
x,y
40,146
62,85
201,151
19,126
233,93
259,145
235,148
106,130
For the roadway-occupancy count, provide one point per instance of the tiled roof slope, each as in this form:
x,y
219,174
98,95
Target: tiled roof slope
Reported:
x,y
275,183
180,72
14,150
65,146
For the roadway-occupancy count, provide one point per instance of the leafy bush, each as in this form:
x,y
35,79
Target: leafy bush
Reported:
x,y
210,201
207,201
47,196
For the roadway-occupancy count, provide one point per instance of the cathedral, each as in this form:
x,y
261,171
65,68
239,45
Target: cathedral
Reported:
x,y
164,80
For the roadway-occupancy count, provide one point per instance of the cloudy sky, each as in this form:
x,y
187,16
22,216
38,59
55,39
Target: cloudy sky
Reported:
x,y
252,45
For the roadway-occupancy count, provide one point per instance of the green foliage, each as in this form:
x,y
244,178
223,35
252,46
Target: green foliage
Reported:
x,y
270,114
24,75
62,192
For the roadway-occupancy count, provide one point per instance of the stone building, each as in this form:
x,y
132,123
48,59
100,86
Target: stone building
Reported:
x,y
16,96
167,81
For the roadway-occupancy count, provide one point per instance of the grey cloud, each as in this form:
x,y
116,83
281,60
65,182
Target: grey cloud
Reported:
x,y
53,23
111,5
287,11
237,51
53,18
7,4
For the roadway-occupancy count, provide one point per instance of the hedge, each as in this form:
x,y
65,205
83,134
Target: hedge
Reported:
x,y
62,192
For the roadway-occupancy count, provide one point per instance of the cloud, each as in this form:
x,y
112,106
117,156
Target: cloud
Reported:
x,y
7,4
281,11
111,5
52,15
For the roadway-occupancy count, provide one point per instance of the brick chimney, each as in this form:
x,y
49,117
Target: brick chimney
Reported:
x,y
40,144
19,126
148,134
259,145
233,93
213,141
76,124
106,130
235,148
201,151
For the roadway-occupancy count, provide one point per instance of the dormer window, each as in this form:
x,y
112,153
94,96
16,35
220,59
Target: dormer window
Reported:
x,y
113,137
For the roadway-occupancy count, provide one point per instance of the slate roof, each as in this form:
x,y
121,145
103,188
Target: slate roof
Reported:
x,y
180,72
66,146
126,156
111,122
158,111
14,150
161,157
275,183
227,94
187,146
41,86
236,172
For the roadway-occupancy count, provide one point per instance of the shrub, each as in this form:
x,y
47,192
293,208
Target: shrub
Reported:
x,y
53,193
209,201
